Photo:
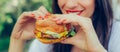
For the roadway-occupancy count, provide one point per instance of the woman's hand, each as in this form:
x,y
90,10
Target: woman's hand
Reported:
x,y
24,29
86,37
25,25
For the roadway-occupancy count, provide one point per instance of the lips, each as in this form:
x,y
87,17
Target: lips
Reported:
x,y
78,12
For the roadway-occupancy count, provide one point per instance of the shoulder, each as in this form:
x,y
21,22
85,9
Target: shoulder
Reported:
x,y
114,42
115,28
37,46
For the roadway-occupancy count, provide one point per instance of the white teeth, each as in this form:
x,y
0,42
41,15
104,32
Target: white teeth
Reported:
x,y
74,13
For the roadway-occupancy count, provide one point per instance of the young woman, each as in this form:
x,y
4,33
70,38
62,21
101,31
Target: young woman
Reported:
x,y
92,20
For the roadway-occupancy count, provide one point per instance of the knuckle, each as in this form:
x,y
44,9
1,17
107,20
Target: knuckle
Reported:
x,y
24,13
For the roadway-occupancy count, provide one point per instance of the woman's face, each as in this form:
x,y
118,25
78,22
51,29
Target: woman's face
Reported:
x,y
80,7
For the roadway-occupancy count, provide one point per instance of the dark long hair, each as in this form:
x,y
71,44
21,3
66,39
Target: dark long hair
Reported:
x,y
102,21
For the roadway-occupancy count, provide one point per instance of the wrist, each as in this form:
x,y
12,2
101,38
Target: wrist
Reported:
x,y
16,45
17,40
98,50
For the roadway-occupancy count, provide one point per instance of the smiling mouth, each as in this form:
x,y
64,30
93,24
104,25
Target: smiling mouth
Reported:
x,y
76,12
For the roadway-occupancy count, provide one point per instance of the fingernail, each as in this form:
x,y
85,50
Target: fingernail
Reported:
x,y
58,22
40,18
54,19
64,21
32,14
45,16
48,14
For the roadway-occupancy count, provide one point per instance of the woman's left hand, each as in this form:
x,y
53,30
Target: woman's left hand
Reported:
x,y
86,37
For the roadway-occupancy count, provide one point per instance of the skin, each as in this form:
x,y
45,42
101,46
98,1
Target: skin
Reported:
x,y
85,40
87,6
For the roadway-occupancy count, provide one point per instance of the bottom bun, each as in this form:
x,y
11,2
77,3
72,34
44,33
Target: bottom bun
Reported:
x,y
51,41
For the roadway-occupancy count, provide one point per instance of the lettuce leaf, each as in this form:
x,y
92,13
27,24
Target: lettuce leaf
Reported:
x,y
56,35
72,32
53,34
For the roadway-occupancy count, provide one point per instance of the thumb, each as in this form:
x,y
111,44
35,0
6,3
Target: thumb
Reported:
x,y
67,41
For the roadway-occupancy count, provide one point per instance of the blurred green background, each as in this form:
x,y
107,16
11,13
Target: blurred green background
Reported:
x,y
9,12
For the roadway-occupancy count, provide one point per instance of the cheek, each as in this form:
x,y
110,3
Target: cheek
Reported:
x,y
90,10
61,4
89,6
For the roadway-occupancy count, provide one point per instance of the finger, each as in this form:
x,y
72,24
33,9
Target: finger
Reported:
x,y
27,35
56,19
39,15
66,21
67,41
59,19
70,19
62,19
32,34
44,10
25,15
17,34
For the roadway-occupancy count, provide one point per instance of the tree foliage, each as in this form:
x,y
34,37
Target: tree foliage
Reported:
x,y
9,12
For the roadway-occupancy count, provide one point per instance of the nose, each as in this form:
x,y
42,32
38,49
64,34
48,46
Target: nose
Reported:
x,y
71,4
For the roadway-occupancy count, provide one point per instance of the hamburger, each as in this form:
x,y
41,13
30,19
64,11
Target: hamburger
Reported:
x,y
48,32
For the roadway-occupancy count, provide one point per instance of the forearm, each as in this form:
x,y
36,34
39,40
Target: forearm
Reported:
x,y
16,45
92,41
95,44
98,50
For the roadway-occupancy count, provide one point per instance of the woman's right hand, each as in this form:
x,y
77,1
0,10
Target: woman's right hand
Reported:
x,y
25,25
